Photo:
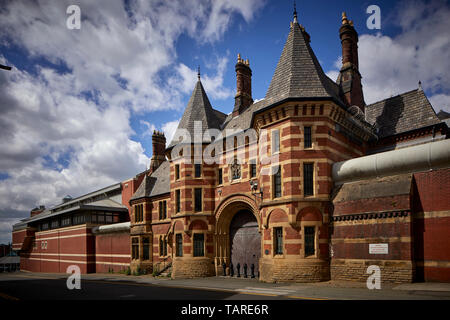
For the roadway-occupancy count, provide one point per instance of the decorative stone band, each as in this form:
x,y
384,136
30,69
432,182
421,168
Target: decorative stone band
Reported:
x,y
373,215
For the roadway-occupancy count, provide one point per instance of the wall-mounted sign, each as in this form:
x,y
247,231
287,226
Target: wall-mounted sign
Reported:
x,y
378,248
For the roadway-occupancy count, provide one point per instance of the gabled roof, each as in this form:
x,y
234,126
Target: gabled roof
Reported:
x,y
199,109
157,183
408,111
298,73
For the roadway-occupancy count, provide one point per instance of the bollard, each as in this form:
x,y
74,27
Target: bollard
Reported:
x,y
224,266
231,270
245,270
238,267
252,268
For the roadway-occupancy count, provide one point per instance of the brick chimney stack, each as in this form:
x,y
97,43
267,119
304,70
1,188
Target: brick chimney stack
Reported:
x,y
349,79
243,97
158,146
37,211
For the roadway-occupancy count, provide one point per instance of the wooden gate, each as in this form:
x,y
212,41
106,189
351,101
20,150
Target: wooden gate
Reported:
x,y
245,241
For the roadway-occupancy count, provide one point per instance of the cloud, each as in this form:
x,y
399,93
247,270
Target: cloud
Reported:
x,y
440,102
421,51
169,129
65,121
185,78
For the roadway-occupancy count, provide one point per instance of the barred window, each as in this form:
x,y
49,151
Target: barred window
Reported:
x,y
162,246
310,234
198,170
139,213
177,171
252,168
308,179
165,247
178,200
164,209
276,172
220,176
65,221
79,219
179,245
199,244
307,137
55,224
275,141
135,248
278,235
198,199
146,248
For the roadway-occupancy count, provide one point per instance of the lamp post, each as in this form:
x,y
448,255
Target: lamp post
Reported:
x,y
254,187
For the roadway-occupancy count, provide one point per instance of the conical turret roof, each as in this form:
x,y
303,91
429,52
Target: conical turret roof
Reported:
x,y
199,109
298,73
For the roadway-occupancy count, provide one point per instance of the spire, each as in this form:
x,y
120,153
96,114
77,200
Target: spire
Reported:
x,y
344,18
198,109
298,73
295,13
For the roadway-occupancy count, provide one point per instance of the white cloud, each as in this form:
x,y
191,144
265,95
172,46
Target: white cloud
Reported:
x,y
440,102
185,78
68,132
169,129
390,66
150,128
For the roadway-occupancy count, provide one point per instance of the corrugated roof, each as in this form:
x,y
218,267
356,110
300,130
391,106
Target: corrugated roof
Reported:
x,y
407,111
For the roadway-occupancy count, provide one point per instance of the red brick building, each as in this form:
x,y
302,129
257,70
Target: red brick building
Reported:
x,y
307,184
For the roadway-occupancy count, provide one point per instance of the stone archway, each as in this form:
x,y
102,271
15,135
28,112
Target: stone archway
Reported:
x,y
230,208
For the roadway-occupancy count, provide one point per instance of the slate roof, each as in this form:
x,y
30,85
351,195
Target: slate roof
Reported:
x,y
199,109
405,112
298,73
443,115
157,183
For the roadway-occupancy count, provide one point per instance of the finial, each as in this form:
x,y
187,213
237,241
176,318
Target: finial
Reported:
x,y
344,18
198,72
420,85
295,13
239,58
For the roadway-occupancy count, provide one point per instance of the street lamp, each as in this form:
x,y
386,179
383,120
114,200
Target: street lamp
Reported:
x,y
254,187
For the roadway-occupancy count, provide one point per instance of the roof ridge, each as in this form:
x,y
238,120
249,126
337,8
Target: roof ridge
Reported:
x,y
199,108
398,95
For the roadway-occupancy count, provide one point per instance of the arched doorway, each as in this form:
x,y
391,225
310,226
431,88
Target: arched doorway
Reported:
x,y
237,208
245,241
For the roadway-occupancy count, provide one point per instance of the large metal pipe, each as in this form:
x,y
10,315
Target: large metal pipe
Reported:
x,y
123,226
428,156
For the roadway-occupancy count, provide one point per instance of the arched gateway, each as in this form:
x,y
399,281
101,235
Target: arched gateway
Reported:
x,y
238,235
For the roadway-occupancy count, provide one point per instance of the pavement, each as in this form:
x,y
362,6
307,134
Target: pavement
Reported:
x,y
334,290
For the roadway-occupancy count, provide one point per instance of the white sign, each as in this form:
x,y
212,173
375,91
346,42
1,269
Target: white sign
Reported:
x,y
378,248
